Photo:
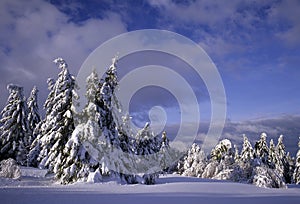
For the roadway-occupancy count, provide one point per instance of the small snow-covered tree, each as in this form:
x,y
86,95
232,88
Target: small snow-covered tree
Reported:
x,y
194,163
236,154
14,126
261,148
265,177
58,125
33,117
146,142
266,168
296,175
247,150
223,149
222,163
227,168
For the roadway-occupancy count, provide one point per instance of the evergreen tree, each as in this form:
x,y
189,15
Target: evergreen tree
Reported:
x,y
247,152
33,117
261,148
221,164
246,159
58,125
14,126
284,162
194,163
236,154
106,102
296,175
266,170
273,159
77,163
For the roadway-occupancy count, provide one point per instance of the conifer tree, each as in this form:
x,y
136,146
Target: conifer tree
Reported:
x,y
33,117
296,175
194,163
14,126
261,148
77,163
247,150
284,165
58,125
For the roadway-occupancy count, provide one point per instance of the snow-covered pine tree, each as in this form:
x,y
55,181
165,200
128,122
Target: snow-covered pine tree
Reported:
x,y
247,150
246,159
147,142
264,172
273,159
261,148
194,163
284,164
296,175
14,126
236,154
33,117
58,125
77,164
223,149
226,169
106,102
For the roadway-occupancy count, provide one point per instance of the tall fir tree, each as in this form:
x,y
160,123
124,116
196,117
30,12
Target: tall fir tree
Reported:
x,y
76,163
273,158
58,125
106,103
296,174
33,117
284,164
14,127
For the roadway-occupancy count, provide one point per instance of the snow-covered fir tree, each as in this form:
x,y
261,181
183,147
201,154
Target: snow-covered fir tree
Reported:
x,y
106,99
265,173
265,177
245,161
226,163
261,148
285,163
247,152
146,142
296,175
273,158
222,163
33,117
14,137
194,163
57,127
77,163
102,145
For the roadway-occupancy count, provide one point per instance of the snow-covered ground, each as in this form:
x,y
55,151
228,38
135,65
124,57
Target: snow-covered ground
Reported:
x,y
36,187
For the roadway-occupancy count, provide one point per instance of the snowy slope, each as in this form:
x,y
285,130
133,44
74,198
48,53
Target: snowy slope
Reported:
x,y
169,189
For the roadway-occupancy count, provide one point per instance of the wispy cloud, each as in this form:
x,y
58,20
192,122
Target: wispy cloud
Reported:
x,y
34,32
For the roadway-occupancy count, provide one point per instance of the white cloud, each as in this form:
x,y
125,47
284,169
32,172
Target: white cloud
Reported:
x,y
287,13
224,28
34,32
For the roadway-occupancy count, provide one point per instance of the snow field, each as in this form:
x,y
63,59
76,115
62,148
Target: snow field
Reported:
x,y
169,189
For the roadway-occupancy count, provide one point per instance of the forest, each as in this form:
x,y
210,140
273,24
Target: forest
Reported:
x,y
97,143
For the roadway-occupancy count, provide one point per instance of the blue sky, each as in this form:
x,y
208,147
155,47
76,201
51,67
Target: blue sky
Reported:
x,y
254,44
